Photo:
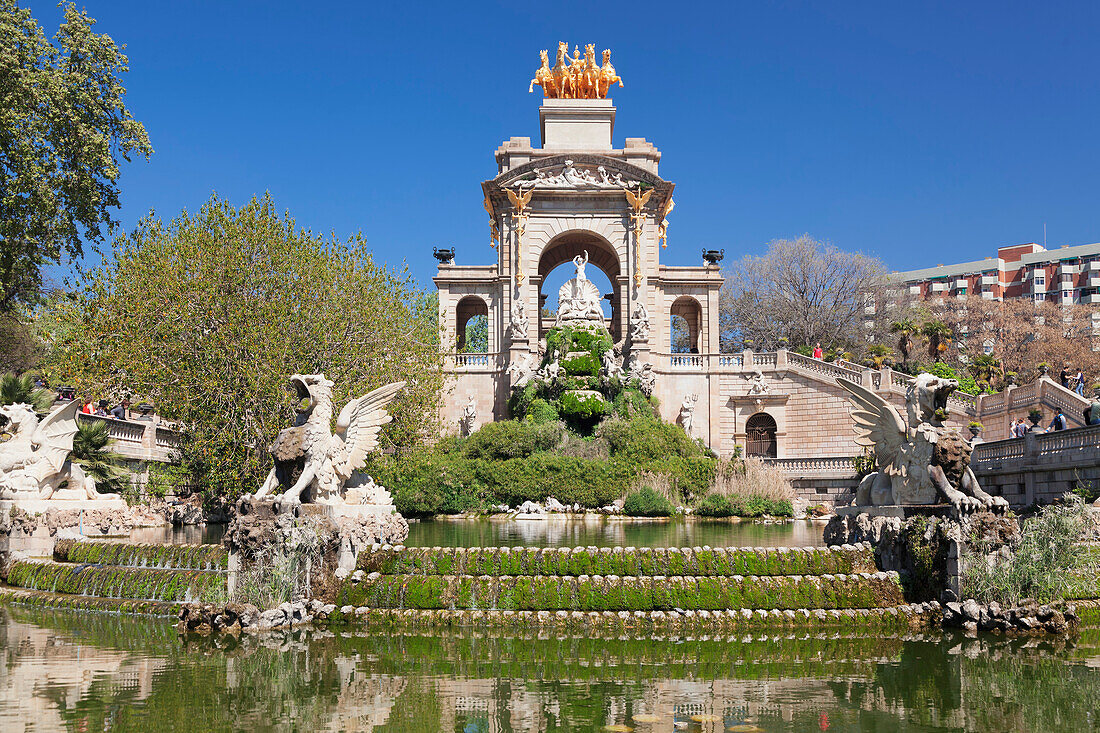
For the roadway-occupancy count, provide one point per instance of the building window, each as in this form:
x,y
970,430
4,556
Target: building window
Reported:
x,y
1041,279
1040,297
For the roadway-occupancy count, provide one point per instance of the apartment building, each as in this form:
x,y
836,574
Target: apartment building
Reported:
x,y
1070,274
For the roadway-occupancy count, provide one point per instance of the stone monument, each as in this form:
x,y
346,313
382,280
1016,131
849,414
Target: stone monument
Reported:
x,y
330,462
918,460
579,298
36,470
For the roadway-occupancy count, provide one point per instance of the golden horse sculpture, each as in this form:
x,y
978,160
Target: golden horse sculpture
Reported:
x,y
575,78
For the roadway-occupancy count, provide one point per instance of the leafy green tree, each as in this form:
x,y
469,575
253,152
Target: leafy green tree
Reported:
x,y
20,389
477,335
206,316
65,127
92,450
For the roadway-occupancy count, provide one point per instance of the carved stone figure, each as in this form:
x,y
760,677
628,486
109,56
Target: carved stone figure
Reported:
x,y
919,461
469,416
611,369
572,176
639,323
687,412
757,385
519,321
330,460
552,370
34,461
643,372
521,371
579,298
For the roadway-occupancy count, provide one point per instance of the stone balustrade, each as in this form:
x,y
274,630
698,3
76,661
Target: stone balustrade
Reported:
x,y
143,439
834,466
1040,467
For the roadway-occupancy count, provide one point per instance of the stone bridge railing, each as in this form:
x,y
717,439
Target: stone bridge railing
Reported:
x,y
1040,467
144,439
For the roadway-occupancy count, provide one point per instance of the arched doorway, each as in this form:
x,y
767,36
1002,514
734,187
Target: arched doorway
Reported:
x,y
472,325
601,256
685,318
760,440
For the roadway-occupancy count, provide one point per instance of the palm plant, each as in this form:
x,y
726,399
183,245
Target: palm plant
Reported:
x,y
92,450
878,354
905,329
20,389
939,335
982,367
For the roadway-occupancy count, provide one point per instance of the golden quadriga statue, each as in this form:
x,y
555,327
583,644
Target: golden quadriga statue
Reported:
x,y
575,78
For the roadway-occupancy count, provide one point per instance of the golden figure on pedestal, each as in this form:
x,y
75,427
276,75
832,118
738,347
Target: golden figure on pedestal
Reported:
x,y
575,78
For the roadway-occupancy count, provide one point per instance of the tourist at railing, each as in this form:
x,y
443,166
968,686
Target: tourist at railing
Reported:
x,y
1059,422
1092,412
1063,377
89,405
817,352
101,409
122,410
1018,429
1079,385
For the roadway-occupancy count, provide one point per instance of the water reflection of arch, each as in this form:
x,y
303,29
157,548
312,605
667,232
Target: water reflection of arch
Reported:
x,y
469,307
601,255
691,311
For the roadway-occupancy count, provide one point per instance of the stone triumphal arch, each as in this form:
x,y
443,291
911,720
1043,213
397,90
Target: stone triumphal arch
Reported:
x,y
575,196
578,198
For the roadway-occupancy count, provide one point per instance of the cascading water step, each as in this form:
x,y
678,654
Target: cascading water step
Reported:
x,y
623,593
116,582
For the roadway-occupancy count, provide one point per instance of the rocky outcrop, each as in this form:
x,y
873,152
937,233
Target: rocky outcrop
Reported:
x,y
1027,617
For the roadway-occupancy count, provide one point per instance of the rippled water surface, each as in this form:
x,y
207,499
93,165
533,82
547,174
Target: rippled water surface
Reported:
x,y
96,672
556,531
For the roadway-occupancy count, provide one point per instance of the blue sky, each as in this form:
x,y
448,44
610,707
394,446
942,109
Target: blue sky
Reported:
x,y
921,133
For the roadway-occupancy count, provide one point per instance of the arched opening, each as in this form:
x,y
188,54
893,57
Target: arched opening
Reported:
x,y
472,326
556,268
760,440
685,318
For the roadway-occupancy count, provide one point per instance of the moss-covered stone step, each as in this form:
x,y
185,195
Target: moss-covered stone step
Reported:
x,y
45,599
165,557
896,619
623,593
106,581
574,561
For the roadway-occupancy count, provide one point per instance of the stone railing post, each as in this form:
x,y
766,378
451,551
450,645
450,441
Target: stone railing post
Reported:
x,y
1006,418
885,379
1031,454
746,361
781,360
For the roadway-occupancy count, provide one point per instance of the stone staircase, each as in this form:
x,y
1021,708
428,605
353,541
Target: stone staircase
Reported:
x,y
626,588
126,578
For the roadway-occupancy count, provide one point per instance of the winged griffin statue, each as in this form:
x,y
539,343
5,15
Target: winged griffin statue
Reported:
x,y
34,460
917,459
330,460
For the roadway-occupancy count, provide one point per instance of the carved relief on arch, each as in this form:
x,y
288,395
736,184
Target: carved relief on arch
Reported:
x,y
577,170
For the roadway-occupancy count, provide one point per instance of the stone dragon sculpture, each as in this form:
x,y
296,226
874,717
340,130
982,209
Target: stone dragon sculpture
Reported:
x,y
918,460
34,461
329,460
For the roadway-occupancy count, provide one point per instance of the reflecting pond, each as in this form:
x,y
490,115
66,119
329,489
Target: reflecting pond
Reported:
x,y
559,531
98,672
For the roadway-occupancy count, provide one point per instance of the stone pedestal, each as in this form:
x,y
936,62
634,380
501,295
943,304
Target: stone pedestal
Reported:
x,y
37,523
577,124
